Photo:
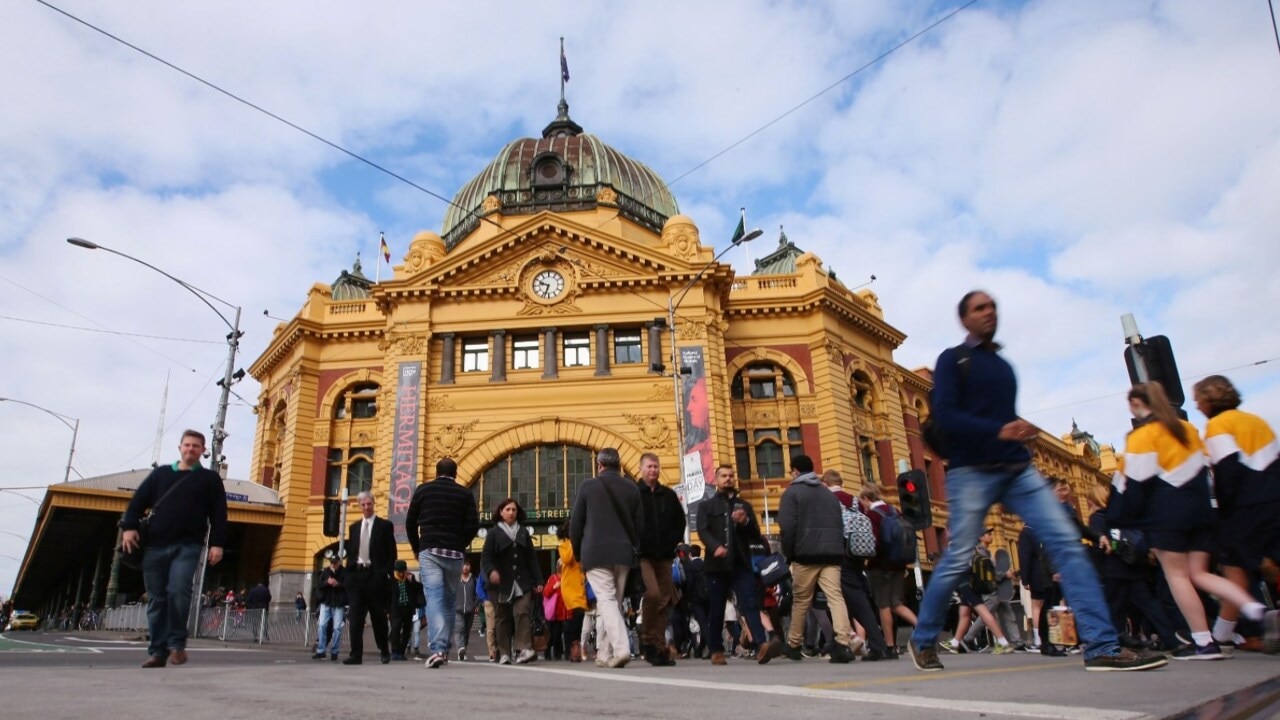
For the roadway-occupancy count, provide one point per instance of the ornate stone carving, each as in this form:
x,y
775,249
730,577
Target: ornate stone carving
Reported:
x,y
653,430
808,410
662,391
491,203
451,438
566,307
363,436
403,343
508,275
763,417
738,414
681,239
607,196
691,330
439,403
425,250
321,434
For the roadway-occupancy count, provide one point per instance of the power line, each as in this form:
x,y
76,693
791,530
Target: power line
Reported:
x,y
107,332
1274,29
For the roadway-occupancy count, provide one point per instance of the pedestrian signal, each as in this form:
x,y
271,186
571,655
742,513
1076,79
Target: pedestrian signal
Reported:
x,y
913,497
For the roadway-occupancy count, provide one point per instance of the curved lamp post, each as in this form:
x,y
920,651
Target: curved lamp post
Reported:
x,y
677,371
219,424
75,429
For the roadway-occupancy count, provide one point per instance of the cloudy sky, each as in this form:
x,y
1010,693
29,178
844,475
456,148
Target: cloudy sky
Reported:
x,y
1080,160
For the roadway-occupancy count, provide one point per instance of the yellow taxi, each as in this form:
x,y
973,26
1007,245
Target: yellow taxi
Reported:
x,y
24,620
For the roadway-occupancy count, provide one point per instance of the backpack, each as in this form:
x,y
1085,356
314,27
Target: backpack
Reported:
x,y
859,534
934,436
984,580
677,573
897,541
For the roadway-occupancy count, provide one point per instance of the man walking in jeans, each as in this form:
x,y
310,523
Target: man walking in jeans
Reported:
x,y
974,397
194,501
440,522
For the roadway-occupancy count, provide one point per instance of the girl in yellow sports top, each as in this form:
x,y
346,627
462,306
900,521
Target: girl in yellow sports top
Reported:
x,y
1246,482
1164,490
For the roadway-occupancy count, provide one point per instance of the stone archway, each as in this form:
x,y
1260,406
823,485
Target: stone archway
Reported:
x,y
546,430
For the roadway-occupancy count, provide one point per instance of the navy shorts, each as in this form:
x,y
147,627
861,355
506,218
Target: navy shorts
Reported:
x,y
1198,539
968,596
1250,534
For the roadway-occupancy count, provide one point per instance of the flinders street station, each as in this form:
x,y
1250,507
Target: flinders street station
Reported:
x,y
565,305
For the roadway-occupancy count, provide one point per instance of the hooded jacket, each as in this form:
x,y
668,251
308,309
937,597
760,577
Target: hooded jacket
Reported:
x,y
812,528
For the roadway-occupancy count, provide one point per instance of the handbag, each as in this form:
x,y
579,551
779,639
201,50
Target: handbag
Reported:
x,y
635,578
133,559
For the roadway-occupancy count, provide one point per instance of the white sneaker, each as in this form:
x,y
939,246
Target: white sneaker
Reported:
x,y
525,656
858,646
505,660
462,654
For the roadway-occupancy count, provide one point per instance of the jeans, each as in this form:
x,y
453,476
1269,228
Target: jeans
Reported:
x,y
971,492
441,580
338,614
747,593
168,572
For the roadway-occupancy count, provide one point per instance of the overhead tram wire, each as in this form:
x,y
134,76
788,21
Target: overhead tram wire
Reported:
x,y
470,212
108,332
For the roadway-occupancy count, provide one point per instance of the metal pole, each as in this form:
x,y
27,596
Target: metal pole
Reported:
x,y
342,528
75,432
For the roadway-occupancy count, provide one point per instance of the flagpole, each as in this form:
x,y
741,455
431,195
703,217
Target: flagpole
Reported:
x,y
562,68
382,242
744,225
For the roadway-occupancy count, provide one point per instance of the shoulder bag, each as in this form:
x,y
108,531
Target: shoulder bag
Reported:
x,y
635,578
133,560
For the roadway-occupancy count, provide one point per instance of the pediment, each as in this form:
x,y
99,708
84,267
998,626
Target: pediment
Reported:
x,y
503,263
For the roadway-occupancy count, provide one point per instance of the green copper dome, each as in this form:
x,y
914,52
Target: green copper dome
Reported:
x,y
564,170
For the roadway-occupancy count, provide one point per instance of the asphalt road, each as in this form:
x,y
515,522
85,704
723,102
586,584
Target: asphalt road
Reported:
x,y
70,675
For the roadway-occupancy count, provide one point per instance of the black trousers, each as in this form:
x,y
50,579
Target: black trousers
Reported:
x,y
367,594
401,628
857,602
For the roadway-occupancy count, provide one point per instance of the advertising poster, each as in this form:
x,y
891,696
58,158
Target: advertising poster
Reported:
x,y
697,463
404,452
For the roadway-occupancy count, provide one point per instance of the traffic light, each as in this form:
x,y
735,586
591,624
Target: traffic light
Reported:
x,y
913,496
1156,353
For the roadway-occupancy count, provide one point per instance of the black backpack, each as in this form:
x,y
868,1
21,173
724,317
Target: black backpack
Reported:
x,y
934,436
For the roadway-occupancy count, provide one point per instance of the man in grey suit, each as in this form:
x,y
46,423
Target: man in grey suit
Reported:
x,y
604,529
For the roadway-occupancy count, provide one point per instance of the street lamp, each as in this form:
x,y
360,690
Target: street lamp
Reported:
x,y
219,424
233,345
75,430
677,371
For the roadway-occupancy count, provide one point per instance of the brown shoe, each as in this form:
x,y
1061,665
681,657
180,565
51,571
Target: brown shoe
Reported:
x,y
575,652
155,661
769,651
178,657
717,658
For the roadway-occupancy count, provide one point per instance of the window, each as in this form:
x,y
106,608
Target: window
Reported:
x,y
868,459
577,350
626,347
360,401
544,478
742,454
475,355
862,391
356,467
762,388
524,353
769,459
764,452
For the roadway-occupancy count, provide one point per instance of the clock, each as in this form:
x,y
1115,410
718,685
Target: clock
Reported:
x,y
548,284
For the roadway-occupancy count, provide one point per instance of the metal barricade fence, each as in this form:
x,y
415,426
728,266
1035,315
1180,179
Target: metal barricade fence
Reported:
x,y
277,627
125,617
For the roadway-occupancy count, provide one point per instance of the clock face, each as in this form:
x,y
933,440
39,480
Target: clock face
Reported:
x,y
548,284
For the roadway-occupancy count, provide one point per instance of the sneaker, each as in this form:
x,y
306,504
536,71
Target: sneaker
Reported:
x,y
998,649
435,661
1271,632
618,661
504,660
926,659
841,654
1209,651
809,651
462,654
318,656
1125,660
601,663
955,647
526,656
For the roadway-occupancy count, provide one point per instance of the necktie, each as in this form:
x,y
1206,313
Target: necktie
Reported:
x,y
364,542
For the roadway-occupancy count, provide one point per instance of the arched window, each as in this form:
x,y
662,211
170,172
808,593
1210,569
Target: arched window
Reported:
x,y
863,390
544,479
360,402
766,432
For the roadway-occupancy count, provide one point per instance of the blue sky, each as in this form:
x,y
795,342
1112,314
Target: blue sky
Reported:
x,y
1079,160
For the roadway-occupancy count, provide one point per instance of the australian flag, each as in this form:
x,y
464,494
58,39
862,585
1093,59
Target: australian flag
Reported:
x,y
564,66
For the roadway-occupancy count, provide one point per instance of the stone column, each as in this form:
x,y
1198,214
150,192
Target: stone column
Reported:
x,y
447,358
602,349
499,358
551,362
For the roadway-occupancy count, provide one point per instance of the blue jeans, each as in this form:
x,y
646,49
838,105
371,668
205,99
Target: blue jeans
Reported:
x,y
338,614
971,492
441,580
168,572
746,591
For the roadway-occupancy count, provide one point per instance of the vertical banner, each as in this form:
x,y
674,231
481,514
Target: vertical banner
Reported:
x,y
697,466
404,448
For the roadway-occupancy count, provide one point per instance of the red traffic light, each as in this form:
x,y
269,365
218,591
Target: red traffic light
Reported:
x,y
910,486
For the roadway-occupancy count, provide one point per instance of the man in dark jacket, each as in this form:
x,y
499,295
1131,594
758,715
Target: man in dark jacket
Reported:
x,y
727,528
605,529
371,553
664,524
197,503
333,609
440,522
813,541
404,597
259,598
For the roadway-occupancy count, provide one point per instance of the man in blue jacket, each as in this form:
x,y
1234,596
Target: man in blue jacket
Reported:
x,y
974,397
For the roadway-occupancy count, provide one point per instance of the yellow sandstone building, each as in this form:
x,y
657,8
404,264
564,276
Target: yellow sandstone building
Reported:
x,y
534,330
